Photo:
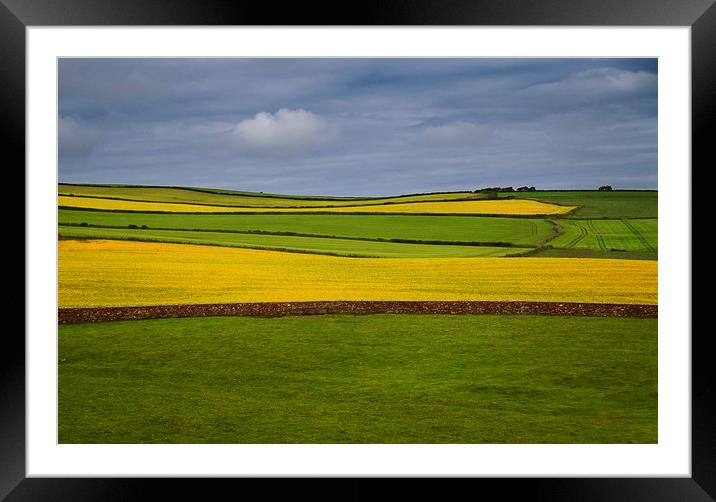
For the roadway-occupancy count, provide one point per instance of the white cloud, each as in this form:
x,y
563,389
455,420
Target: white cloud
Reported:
x,y
599,81
75,137
455,134
284,133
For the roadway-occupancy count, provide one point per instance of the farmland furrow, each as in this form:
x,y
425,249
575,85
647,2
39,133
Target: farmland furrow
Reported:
x,y
578,238
637,234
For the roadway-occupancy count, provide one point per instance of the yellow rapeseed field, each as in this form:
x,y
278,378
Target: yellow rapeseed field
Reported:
x,y
130,205
507,207
95,273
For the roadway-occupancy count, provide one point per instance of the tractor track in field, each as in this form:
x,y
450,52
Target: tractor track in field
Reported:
x,y
639,236
68,315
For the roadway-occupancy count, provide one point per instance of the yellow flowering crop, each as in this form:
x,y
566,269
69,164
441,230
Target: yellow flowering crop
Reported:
x,y
95,273
131,205
505,206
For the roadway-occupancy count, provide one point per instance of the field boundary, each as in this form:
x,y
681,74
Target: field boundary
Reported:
x,y
69,315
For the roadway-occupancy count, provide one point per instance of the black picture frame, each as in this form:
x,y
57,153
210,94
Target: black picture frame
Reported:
x,y
700,15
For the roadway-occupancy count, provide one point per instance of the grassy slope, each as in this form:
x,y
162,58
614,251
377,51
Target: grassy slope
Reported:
x,y
70,186
615,204
340,247
526,231
625,235
227,198
360,379
226,191
281,196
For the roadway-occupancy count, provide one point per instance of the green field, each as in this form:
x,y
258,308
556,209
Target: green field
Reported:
x,y
320,245
360,379
548,252
517,231
239,199
606,235
622,237
595,204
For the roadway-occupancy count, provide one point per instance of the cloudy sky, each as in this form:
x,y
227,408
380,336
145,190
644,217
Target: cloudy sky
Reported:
x,y
359,126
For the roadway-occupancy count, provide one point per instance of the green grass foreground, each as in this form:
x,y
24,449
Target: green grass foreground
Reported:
x,y
360,379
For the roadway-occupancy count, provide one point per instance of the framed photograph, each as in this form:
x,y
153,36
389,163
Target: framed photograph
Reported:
x,y
421,242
